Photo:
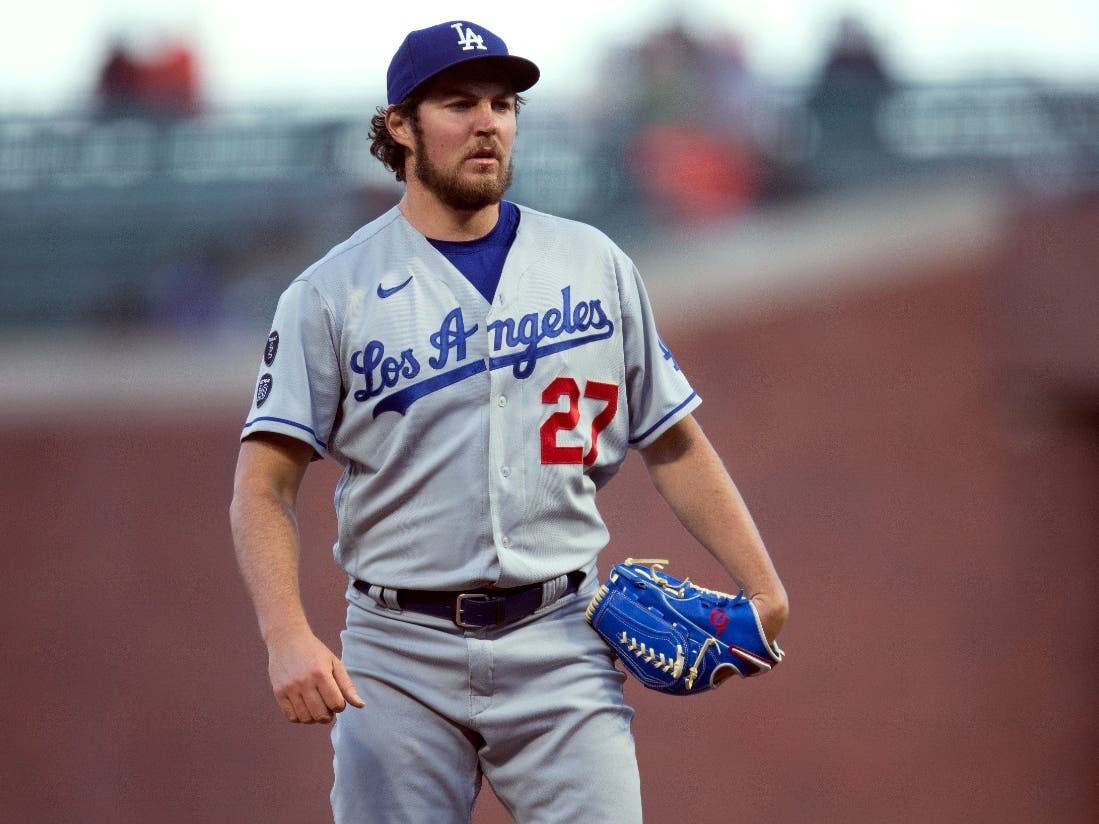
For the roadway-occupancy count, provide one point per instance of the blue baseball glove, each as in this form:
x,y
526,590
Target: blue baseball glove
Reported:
x,y
676,637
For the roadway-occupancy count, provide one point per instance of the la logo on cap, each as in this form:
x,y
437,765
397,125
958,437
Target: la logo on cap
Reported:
x,y
427,52
469,39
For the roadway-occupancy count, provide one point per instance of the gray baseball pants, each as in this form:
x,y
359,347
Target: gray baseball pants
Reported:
x,y
536,708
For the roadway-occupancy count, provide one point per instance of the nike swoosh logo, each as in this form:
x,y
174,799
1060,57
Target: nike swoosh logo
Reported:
x,y
384,293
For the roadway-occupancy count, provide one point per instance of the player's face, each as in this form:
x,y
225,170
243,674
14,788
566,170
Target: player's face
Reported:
x,y
462,145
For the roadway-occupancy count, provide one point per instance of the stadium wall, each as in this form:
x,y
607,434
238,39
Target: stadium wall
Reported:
x,y
916,430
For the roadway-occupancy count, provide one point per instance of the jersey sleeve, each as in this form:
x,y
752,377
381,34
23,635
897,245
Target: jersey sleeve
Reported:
x,y
659,393
299,385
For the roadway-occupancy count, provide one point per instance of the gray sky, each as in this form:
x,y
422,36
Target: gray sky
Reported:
x,y
323,49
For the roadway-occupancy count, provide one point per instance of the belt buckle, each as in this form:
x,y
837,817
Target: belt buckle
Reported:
x,y
471,596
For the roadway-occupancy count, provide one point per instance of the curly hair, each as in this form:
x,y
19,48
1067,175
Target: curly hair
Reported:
x,y
382,145
391,153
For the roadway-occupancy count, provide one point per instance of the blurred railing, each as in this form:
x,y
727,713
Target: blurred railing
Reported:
x,y
1001,128
204,220
77,153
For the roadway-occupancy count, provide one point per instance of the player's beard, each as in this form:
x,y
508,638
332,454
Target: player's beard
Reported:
x,y
456,191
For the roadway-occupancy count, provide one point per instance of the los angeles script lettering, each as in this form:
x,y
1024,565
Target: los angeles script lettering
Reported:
x,y
521,338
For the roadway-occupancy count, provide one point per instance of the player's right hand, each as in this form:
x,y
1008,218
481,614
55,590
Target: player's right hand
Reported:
x,y
310,683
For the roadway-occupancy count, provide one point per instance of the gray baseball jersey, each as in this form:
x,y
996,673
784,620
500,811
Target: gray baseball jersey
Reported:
x,y
473,436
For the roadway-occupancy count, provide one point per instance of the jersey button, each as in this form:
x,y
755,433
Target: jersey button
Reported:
x,y
503,401
505,471
505,542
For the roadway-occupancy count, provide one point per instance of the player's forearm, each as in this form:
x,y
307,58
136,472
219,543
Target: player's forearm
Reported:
x,y
265,537
691,477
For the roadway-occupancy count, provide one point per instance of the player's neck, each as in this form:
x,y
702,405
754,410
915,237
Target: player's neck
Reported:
x,y
434,219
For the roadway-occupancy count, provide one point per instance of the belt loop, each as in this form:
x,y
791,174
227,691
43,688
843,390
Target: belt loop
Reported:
x,y
382,596
372,591
553,589
388,598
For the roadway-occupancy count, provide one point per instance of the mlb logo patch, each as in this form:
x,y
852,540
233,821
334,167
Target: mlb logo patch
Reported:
x,y
263,389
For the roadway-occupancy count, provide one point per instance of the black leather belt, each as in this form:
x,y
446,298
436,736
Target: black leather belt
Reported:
x,y
478,608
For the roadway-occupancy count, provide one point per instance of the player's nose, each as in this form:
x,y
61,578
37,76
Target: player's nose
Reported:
x,y
484,117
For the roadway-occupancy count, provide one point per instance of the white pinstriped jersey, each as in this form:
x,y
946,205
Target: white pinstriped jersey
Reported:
x,y
473,436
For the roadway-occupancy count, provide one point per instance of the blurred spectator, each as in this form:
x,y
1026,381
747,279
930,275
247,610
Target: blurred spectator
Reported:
x,y
672,64
691,155
690,174
736,110
165,84
118,90
732,90
844,102
170,81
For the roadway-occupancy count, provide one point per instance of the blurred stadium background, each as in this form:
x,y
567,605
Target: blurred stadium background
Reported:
x,y
883,282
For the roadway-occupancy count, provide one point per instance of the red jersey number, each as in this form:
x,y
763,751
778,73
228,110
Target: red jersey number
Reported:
x,y
568,420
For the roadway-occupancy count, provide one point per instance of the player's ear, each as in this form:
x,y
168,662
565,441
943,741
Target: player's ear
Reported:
x,y
399,126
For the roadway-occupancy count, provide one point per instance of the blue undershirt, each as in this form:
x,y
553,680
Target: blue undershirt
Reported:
x,y
482,260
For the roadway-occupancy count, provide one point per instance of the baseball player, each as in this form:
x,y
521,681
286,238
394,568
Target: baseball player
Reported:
x,y
480,370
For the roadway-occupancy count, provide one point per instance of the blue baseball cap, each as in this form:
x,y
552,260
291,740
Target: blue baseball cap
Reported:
x,y
426,52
